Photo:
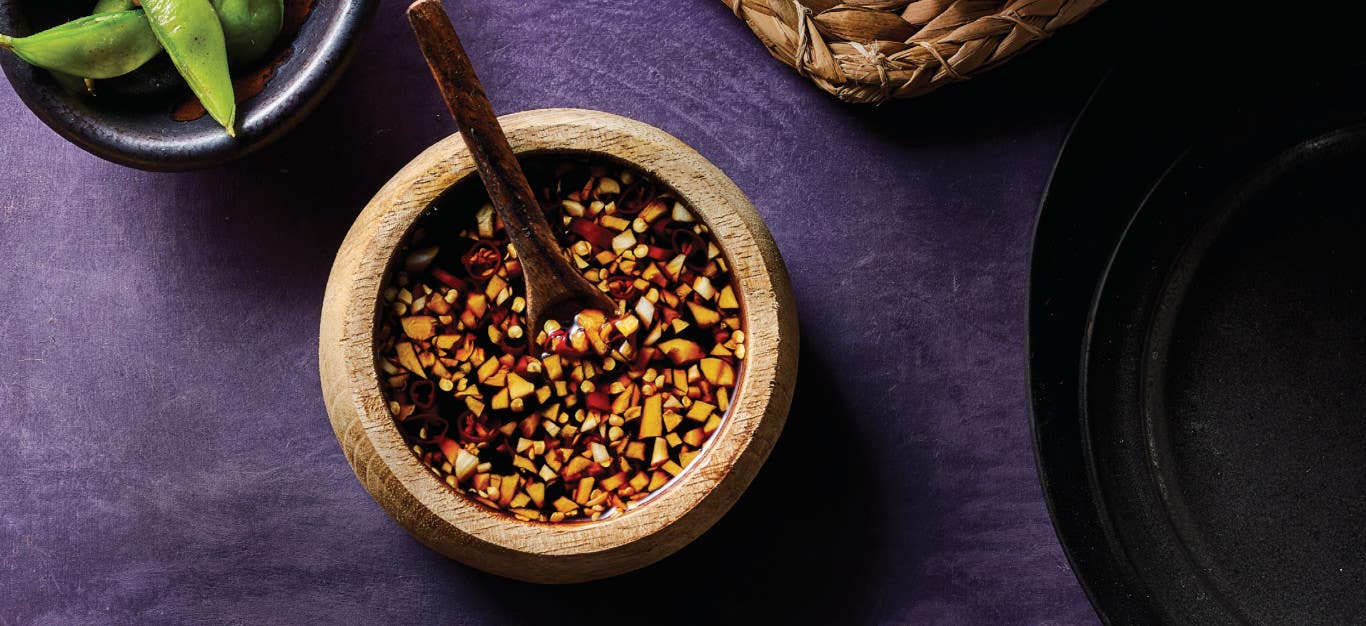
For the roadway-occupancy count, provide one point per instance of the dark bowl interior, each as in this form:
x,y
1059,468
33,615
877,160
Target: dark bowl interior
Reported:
x,y
132,120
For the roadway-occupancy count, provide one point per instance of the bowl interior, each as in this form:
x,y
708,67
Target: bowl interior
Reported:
x,y
148,118
456,205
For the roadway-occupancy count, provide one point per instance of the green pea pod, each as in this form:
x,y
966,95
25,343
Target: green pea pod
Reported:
x,y
110,6
190,33
250,27
75,84
98,46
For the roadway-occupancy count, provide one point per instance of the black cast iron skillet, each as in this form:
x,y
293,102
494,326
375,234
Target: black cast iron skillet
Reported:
x,y
1198,349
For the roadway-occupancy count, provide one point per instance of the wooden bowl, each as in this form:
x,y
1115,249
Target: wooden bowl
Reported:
x,y
462,529
132,121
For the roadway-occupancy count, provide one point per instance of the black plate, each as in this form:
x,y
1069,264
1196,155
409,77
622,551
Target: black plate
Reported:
x,y
1198,350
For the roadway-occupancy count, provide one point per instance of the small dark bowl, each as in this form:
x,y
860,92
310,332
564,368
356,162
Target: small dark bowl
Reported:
x,y
132,119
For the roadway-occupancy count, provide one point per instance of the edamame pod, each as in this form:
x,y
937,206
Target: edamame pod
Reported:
x,y
110,6
87,85
190,33
103,6
98,46
249,27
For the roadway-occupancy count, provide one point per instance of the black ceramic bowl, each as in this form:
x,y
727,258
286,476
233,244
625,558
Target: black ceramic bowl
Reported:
x,y
139,119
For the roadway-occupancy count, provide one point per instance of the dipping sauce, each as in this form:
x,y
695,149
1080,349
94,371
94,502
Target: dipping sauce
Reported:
x,y
580,419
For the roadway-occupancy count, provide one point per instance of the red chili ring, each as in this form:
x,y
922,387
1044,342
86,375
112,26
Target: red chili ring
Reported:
x,y
436,428
691,246
621,287
627,205
482,260
513,349
422,393
418,414
469,429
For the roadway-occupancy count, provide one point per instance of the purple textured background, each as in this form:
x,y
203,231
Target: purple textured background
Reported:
x,y
165,457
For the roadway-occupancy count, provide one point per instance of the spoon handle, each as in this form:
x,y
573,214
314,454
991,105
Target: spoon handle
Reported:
x,y
551,281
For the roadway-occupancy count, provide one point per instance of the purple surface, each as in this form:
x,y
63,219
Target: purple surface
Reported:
x,y
165,457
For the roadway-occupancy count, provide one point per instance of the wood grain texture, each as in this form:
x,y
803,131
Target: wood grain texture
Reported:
x,y
554,289
461,529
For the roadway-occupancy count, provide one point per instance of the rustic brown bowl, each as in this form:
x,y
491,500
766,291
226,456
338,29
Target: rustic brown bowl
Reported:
x,y
460,528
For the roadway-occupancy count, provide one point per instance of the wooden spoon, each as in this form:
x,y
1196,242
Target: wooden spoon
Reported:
x,y
554,288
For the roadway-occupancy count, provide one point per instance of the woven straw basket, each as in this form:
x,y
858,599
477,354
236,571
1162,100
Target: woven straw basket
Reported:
x,y
877,50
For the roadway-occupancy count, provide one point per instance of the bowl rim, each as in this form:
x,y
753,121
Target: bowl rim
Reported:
x,y
458,526
293,97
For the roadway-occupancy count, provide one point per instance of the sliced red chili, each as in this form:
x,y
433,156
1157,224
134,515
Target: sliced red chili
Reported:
x,y
474,429
598,400
514,347
632,201
661,227
592,232
482,260
422,393
449,279
435,428
659,254
558,343
622,287
418,415
690,245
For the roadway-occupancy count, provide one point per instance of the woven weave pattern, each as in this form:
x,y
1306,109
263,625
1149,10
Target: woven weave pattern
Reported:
x,y
877,50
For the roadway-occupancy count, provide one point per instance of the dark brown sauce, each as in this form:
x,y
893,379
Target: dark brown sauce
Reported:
x,y
249,85
448,357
